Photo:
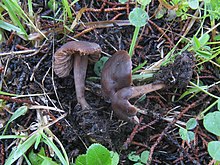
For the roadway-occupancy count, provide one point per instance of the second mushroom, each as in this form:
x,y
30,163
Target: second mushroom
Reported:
x,y
116,80
75,55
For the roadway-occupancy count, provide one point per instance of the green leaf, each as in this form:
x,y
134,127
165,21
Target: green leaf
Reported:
x,y
191,136
204,54
13,8
19,112
196,43
217,37
217,163
21,149
123,1
67,8
144,156
211,122
183,133
144,2
99,65
37,141
10,27
138,17
204,39
133,157
98,155
191,124
81,160
34,158
52,4
55,148
115,157
213,9
47,161
186,135
193,4
214,150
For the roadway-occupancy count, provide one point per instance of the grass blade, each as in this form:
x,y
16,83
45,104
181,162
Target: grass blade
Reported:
x,y
20,111
9,27
55,149
67,8
11,136
21,149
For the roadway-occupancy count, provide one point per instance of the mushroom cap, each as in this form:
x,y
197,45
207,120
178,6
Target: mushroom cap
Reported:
x,y
122,107
116,74
64,56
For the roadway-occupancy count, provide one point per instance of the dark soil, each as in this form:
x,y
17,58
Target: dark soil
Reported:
x,y
33,74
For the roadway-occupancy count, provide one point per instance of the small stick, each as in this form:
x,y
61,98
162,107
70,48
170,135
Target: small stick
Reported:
x,y
162,32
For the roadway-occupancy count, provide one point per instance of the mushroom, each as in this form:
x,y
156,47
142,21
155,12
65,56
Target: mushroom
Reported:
x,y
116,84
116,74
116,80
75,55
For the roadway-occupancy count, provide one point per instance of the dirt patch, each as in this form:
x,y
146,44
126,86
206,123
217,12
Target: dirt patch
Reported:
x,y
178,73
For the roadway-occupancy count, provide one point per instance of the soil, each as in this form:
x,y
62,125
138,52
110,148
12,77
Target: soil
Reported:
x,y
32,73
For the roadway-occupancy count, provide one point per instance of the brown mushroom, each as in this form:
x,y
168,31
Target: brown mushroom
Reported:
x,y
75,54
116,83
116,75
116,80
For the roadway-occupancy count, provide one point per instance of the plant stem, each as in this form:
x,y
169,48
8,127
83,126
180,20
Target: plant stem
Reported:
x,y
203,90
202,114
135,36
133,42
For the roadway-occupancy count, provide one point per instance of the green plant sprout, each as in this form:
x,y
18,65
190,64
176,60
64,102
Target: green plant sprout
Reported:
x,y
186,133
97,154
138,17
139,159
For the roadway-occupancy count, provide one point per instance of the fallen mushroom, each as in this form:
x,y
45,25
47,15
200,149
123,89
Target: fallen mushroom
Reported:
x,y
116,75
116,84
75,54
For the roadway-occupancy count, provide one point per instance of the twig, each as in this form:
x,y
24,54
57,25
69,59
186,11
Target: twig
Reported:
x,y
162,32
20,101
18,52
131,137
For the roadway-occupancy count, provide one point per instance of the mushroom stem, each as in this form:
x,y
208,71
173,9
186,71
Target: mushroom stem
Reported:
x,y
80,67
120,100
144,89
